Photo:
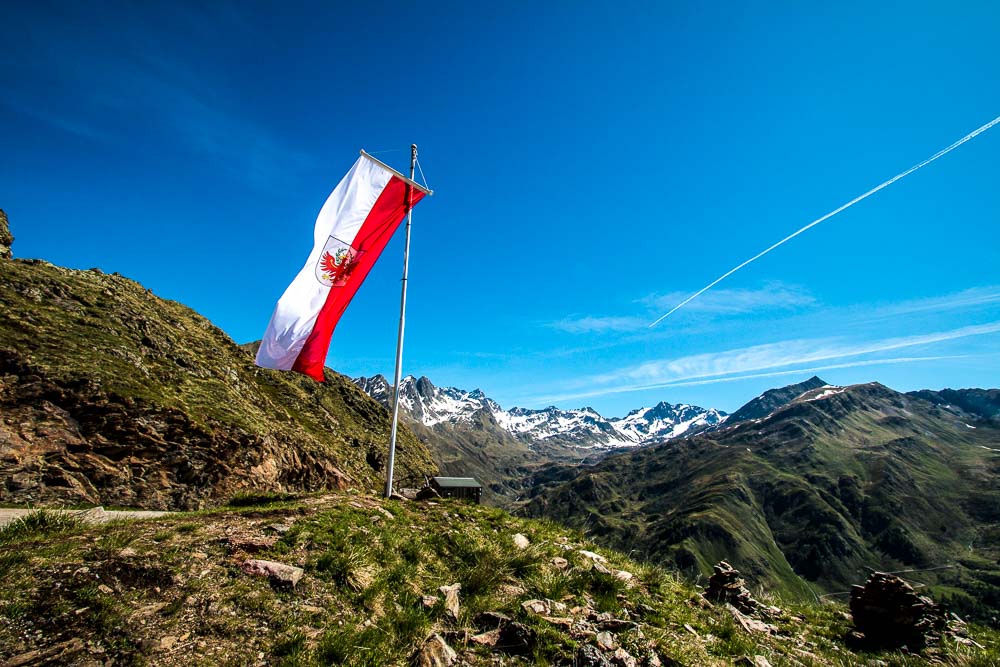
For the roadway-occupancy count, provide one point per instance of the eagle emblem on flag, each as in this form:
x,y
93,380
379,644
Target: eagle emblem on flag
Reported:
x,y
336,262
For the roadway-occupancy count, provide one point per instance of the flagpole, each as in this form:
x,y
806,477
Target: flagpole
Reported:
x,y
402,326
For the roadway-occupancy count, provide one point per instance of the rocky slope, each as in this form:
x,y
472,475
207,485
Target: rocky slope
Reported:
x,y
6,238
803,499
111,395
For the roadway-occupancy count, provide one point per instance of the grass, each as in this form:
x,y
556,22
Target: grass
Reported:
x,y
360,602
36,525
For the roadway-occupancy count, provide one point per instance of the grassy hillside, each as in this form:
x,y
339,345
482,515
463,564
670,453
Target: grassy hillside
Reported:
x,y
808,498
174,592
110,394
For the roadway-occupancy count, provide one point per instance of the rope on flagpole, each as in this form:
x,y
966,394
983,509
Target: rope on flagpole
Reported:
x,y
422,177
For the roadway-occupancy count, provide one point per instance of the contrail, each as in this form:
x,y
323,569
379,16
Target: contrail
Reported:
x,y
940,153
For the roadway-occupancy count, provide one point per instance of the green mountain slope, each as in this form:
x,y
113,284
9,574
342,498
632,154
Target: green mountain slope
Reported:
x,y
835,482
109,394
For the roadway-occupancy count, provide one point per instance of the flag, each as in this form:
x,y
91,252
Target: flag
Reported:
x,y
352,229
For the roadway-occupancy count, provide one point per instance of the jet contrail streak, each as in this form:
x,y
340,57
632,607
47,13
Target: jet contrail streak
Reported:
x,y
940,153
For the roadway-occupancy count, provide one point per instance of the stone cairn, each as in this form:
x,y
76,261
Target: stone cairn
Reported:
x,y
727,586
888,613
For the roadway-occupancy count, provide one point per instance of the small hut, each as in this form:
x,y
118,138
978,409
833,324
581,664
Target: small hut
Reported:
x,y
458,487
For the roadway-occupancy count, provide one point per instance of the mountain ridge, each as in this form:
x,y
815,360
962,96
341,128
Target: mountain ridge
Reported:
x,y
112,395
832,481
584,428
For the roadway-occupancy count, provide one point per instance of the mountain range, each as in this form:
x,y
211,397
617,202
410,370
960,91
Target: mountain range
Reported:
x,y
580,429
806,489
469,434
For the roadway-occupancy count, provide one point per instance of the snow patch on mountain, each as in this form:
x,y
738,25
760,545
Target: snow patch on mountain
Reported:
x,y
827,391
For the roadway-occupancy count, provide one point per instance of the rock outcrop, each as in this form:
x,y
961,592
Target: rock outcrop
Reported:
x,y
888,613
6,238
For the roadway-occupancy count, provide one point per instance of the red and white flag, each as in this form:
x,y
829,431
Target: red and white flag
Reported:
x,y
352,229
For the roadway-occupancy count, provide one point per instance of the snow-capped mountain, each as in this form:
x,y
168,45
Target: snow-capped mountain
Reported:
x,y
421,401
575,428
664,421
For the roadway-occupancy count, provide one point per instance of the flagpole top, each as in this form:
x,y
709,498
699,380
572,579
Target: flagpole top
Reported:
x,y
418,186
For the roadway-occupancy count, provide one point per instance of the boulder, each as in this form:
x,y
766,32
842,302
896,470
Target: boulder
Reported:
x,y
597,558
622,658
450,594
588,655
516,639
488,638
491,619
511,637
279,574
434,652
542,607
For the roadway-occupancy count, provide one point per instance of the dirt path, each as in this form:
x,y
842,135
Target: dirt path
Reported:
x,y
93,515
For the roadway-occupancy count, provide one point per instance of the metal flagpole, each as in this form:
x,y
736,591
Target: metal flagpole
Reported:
x,y
402,326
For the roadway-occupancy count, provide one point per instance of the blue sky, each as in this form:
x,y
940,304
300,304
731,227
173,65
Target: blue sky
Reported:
x,y
594,164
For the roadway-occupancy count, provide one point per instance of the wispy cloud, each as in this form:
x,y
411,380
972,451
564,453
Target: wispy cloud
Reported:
x,y
776,355
772,296
752,361
546,400
590,324
975,297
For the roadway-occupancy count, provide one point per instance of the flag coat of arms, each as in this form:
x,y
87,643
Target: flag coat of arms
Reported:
x,y
352,229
